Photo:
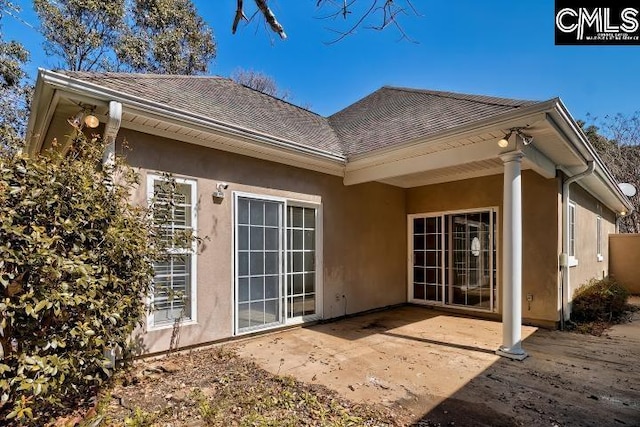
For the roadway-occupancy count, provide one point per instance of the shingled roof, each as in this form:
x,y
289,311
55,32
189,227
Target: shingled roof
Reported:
x,y
224,101
385,118
393,115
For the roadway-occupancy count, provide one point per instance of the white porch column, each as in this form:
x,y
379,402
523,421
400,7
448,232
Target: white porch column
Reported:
x,y
512,258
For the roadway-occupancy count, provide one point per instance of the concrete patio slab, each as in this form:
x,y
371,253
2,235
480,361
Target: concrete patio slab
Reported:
x,y
412,356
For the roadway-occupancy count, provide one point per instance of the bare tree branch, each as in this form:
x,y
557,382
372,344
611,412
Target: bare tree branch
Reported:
x,y
271,18
240,16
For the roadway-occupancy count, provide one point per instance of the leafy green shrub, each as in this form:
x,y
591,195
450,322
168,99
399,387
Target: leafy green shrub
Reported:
x,y
600,300
76,263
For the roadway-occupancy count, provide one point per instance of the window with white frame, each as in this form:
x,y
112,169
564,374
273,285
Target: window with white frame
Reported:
x,y
572,230
599,238
174,214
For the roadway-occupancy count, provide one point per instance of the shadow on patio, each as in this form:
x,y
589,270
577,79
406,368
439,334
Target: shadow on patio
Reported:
x,y
442,369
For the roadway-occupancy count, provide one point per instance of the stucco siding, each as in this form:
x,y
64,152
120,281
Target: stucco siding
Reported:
x,y
588,209
624,253
364,236
540,233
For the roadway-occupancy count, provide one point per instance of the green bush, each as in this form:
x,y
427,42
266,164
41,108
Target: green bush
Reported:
x,y
600,300
76,263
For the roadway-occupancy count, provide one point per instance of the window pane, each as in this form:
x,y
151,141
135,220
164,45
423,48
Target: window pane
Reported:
x,y
270,311
296,216
243,290
418,226
309,261
297,262
298,306
256,212
297,240
257,288
309,218
243,263
271,239
257,263
309,304
309,239
243,238
298,284
271,214
257,238
309,282
257,313
243,211
271,287
271,263
243,316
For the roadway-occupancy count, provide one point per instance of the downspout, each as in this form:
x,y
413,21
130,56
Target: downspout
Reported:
x,y
111,129
564,256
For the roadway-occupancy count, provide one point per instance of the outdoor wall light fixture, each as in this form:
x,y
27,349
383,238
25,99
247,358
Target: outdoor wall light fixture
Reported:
x,y
219,193
526,139
84,117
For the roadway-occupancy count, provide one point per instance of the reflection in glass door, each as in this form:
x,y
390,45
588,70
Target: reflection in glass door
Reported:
x,y
454,259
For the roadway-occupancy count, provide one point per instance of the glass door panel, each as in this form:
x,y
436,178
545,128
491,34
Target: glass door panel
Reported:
x,y
301,269
258,263
454,260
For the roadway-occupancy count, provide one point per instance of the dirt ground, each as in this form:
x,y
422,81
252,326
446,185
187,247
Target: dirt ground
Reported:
x,y
442,370
406,366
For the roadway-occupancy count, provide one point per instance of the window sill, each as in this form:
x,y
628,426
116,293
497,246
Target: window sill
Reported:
x,y
152,328
573,261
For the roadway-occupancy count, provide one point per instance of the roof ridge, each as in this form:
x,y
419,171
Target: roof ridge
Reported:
x,y
139,75
279,99
463,96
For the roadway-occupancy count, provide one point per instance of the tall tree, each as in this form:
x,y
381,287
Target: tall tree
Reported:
x,y
617,141
259,81
159,36
14,91
81,33
168,37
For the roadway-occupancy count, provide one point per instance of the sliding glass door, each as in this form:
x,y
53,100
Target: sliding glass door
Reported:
x,y
454,259
276,275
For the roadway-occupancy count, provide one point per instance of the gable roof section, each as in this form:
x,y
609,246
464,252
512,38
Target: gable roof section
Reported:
x,y
391,116
225,101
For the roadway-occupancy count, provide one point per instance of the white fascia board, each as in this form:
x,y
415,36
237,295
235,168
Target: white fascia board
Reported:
x,y
420,163
169,113
578,142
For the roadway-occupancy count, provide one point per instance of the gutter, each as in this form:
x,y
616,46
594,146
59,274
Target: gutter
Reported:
x,y
73,85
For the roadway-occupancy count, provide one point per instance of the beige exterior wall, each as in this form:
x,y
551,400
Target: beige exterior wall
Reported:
x,y
364,235
624,253
540,233
589,265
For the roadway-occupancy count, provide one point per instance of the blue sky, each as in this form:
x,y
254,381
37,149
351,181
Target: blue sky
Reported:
x,y
494,47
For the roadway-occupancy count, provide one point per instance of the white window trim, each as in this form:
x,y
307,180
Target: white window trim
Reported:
x,y
319,261
494,302
599,241
193,184
573,260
